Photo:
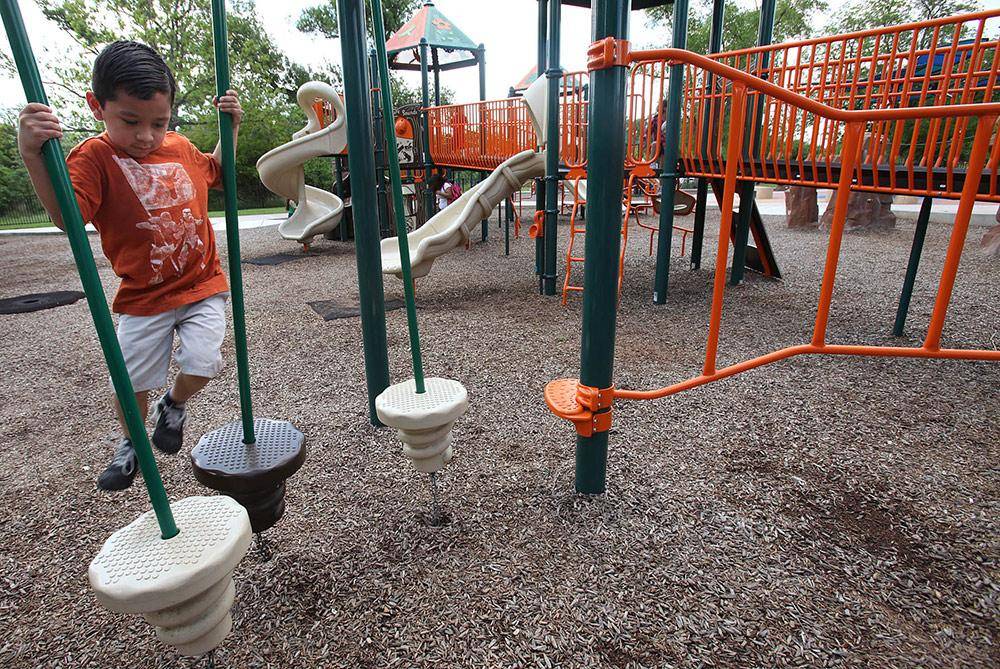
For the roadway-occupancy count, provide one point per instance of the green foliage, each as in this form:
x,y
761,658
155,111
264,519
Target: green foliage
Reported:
x,y
322,19
792,20
15,187
181,31
863,15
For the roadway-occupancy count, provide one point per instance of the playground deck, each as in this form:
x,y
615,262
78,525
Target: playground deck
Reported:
x,y
826,512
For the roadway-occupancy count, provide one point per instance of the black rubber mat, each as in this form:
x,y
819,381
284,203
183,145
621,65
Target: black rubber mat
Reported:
x,y
332,309
23,304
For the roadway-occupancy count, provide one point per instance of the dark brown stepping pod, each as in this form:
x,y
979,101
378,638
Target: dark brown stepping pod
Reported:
x,y
252,474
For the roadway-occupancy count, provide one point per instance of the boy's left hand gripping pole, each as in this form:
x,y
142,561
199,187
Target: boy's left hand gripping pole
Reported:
x,y
55,164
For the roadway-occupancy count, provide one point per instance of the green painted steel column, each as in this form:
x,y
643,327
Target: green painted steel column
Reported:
x,y
384,224
221,41
540,183
55,165
911,267
765,33
382,63
481,57
429,203
701,200
554,74
668,169
603,237
339,170
363,199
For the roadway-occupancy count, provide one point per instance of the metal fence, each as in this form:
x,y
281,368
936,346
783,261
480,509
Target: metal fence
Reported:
x,y
27,213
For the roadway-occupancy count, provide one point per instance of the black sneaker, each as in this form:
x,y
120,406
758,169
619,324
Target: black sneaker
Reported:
x,y
121,472
168,433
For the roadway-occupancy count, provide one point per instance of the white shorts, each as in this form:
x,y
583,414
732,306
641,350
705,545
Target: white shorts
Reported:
x,y
147,342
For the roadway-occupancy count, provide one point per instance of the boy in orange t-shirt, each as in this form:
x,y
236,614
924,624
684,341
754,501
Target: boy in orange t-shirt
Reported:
x,y
146,191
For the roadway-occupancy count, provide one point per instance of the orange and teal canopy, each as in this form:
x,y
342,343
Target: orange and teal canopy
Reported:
x,y
448,47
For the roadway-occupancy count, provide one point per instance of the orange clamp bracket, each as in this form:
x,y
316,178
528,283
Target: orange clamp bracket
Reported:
x,y
581,405
606,53
536,229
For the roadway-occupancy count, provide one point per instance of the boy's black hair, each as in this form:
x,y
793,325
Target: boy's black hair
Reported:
x,y
133,68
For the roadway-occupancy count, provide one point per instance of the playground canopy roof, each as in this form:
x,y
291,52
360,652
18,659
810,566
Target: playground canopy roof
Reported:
x,y
451,48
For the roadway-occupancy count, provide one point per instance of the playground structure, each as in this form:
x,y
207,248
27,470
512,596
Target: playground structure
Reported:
x,y
854,107
317,211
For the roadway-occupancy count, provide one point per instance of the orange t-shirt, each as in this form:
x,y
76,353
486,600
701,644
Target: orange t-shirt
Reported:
x,y
152,215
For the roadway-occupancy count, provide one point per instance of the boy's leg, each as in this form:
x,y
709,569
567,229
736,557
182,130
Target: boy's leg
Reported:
x,y
145,342
201,327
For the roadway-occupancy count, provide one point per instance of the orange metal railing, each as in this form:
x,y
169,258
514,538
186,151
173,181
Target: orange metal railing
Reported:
x,y
479,135
850,126
928,65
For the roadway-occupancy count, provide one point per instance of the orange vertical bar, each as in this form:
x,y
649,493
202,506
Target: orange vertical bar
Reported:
x,y
849,159
980,147
736,118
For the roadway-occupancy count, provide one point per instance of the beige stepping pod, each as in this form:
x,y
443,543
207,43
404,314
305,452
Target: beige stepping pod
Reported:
x,y
423,421
183,585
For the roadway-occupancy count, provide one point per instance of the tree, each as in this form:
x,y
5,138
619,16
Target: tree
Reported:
x,y
181,31
322,19
792,19
862,15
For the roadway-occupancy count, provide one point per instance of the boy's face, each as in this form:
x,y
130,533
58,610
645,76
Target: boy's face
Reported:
x,y
135,126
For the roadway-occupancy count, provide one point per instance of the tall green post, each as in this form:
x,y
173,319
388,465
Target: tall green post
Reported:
x,y
481,57
668,169
701,199
429,203
540,183
603,237
55,165
765,33
221,41
554,74
912,265
361,161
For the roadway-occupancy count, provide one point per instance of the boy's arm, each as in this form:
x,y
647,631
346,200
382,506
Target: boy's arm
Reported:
x,y
230,104
36,125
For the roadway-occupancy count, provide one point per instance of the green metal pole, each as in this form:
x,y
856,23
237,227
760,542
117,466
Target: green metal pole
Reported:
x,y
429,205
222,85
481,57
384,225
339,170
911,267
714,46
540,183
603,237
397,193
765,33
554,75
436,66
55,165
363,199
668,169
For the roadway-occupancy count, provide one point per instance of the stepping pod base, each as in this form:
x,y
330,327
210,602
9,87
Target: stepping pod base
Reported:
x,y
182,585
253,474
423,421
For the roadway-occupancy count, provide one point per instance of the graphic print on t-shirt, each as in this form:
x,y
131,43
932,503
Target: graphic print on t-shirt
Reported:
x,y
166,186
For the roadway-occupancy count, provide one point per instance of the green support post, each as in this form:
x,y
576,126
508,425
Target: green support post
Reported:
x,y
397,193
429,204
436,66
221,41
911,267
540,183
701,200
765,32
55,165
384,225
603,237
481,57
668,169
554,74
367,249
339,171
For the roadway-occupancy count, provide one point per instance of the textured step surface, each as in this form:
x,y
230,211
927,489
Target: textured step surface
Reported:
x,y
423,421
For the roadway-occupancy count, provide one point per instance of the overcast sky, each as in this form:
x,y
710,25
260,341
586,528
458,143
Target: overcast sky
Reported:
x,y
507,28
